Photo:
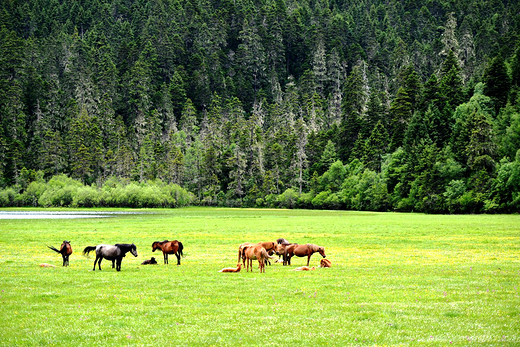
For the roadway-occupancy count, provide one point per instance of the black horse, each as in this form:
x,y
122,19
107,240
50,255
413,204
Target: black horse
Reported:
x,y
116,253
65,251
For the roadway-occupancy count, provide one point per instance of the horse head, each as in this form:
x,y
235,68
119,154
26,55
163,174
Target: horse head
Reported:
x,y
279,249
156,245
133,250
321,250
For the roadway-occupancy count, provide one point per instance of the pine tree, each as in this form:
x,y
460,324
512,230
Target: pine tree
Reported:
x,y
450,86
375,147
497,82
400,114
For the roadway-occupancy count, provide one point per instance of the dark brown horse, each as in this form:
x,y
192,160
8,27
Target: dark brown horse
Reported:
x,y
302,251
65,251
169,247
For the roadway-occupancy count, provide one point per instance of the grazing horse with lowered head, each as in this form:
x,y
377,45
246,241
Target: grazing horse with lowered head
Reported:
x,y
257,252
169,247
116,253
65,251
306,250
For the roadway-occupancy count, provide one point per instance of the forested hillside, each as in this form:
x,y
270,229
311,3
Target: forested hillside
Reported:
x,y
369,105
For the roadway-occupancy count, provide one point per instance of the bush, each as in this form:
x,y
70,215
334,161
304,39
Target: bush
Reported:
x,y
288,198
7,197
86,197
319,200
32,194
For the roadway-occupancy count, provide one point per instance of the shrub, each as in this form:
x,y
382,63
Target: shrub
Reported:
x,y
87,197
288,198
7,197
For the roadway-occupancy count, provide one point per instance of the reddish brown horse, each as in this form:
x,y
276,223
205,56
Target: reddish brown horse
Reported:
x,y
65,251
257,252
169,247
268,246
306,250
232,269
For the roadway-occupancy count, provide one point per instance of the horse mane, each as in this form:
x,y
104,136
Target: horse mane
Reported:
x,y
125,246
313,247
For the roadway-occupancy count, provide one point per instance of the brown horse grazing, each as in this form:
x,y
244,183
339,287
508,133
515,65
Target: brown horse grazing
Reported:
x,y
302,251
257,252
325,263
232,269
169,247
65,251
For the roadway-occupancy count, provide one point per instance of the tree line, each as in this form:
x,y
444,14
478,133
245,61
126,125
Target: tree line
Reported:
x,y
372,105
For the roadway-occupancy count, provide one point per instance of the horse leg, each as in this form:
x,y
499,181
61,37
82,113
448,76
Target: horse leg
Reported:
x,y
95,261
113,263
165,258
63,256
118,268
99,262
308,259
178,258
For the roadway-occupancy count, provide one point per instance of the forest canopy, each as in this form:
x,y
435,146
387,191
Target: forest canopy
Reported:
x,y
367,105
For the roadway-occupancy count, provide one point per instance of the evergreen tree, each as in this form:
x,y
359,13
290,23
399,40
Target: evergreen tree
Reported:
x,y
375,147
400,113
450,86
497,82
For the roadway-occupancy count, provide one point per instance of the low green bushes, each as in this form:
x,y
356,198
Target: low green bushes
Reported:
x,y
63,191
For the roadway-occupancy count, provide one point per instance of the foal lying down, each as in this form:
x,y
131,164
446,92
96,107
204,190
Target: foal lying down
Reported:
x,y
232,269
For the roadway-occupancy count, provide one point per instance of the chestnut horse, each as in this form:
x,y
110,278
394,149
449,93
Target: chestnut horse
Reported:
x,y
257,252
268,246
232,269
65,251
301,251
169,247
325,263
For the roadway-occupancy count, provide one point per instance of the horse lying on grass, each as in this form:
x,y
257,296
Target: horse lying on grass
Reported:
x,y
65,251
325,263
116,253
149,262
305,268
232,269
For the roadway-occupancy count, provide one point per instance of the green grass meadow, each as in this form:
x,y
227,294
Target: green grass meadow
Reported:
x,y
397,279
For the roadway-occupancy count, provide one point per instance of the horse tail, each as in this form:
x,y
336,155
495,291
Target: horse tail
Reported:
x,y
181,247
88,249
54,249
265,254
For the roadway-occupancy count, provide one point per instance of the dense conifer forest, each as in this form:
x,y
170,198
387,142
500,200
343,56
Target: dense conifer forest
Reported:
x,y
367,105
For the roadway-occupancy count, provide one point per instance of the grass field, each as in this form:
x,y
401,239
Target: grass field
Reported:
x,y
396,279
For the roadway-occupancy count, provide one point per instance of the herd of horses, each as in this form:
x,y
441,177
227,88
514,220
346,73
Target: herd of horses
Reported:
x,y
247,252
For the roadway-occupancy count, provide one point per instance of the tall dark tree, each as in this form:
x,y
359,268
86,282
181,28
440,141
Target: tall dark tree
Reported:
x,y
497,82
